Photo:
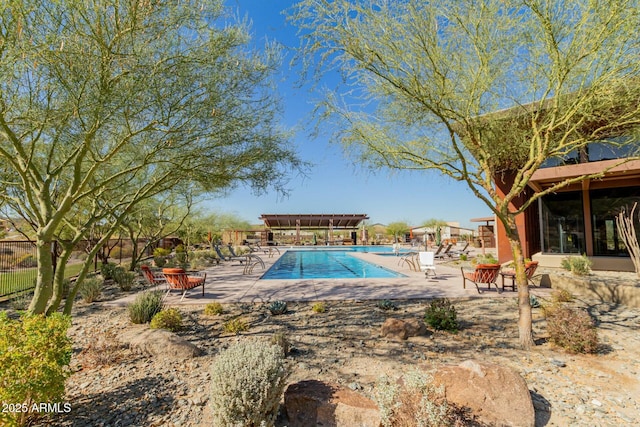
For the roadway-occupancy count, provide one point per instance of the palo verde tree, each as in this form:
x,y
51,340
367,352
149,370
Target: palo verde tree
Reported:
x,y
397,229
104,105
482,92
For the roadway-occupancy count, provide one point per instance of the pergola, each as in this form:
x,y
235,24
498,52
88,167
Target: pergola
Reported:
x,y
312,221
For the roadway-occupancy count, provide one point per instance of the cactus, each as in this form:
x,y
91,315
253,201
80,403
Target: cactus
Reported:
x,y
277,307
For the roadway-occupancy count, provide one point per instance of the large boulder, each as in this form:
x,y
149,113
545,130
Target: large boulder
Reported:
x,y
160,344
496,394
398,329
315,403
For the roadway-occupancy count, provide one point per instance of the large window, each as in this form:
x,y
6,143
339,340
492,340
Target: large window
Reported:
x,y
606,204
562,223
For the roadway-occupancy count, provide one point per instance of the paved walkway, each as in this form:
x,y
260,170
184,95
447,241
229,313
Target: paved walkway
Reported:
x,y
226,283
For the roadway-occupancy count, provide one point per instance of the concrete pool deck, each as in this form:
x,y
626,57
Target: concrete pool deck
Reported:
x,y
226,283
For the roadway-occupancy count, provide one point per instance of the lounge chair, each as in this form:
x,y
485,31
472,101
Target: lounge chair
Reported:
x,y
445,253
427,263
462,251
152,278
223,257
530,268
178,279
483,274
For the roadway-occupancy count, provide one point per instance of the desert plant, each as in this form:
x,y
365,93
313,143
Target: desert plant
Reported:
x,y
90,288
412,401
124,279
533,301
387,305
578,265
160,256
21,302
107,270
441,315
235,326
145,306
572,329
35,352
247,397
485,259
102,349
319,307
169,319
464,257
561,295
213,309
277,307
280,339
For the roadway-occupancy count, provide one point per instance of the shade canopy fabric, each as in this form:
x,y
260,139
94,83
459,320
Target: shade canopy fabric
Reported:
x,y
284,221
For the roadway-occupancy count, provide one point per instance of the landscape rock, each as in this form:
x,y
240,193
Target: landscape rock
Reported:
x,y
496,394
402,329
312,402
160,343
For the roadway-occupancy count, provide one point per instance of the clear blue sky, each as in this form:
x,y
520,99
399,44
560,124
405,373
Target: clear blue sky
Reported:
x,y
334,184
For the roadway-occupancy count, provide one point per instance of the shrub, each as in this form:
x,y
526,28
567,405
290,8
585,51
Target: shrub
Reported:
x,y
213,309
102,349
169,319
124,279
441,315
578,265
21,302
247,397
107,270
34,356
485,259
281,340
90,289
572,329
145,306
386,305
160,256
235,326
561,295
319,307
277,307
414,401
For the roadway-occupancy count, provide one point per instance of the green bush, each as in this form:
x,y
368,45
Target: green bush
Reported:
x,y
213,309
235,326
160,256
107,270
578,265
145,306
319,307
34,356
247,397
386,305
124,279
441,315
90,288
169,319
572,329
22,301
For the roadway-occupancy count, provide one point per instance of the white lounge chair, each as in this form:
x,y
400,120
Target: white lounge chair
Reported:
x,y
426,261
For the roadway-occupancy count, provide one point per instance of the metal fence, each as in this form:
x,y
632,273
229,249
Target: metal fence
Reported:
x,y
18,262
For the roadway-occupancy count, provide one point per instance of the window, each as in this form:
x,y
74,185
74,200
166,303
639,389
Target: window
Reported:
x,y
562,220
606,204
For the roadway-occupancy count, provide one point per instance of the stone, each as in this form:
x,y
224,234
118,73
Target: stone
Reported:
x,y
160,344
312,402
398,329
496,394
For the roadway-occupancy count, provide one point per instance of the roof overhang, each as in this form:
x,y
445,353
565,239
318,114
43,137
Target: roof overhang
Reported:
x,y
284,221
613,169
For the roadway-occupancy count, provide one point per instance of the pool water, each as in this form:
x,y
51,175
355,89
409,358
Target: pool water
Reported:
x,y
325,264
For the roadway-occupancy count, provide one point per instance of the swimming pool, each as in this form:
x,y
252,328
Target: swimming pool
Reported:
x,y
326,264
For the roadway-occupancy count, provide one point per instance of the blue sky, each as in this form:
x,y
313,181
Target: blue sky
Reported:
x,y
334,184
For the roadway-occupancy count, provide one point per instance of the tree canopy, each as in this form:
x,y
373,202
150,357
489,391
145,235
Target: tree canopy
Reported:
x,y
477,90
106,104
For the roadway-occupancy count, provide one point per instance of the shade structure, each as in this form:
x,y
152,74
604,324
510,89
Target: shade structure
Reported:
x,y
284,221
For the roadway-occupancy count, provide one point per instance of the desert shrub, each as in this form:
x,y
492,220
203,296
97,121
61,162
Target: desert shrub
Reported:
x,y
386,305
90,288
464,257
107,270
160,256
280,339
235,326
319,307
533,301
247,397
102,349
441,315
572,329
21,302
169,319
124,279
213,309
485,259
181,254
34,356
414,401
145,306
277,307
578,265
561,295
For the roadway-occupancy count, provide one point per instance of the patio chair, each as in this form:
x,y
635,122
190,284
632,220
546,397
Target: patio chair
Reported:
x,y
483,274
427,263
223,257
151,277
178,279
445,253
530,268
462,251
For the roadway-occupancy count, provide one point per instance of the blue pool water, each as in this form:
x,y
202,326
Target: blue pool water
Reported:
x,y
326,264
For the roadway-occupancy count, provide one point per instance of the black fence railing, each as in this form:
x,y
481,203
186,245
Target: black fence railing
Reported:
x,y
18,262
